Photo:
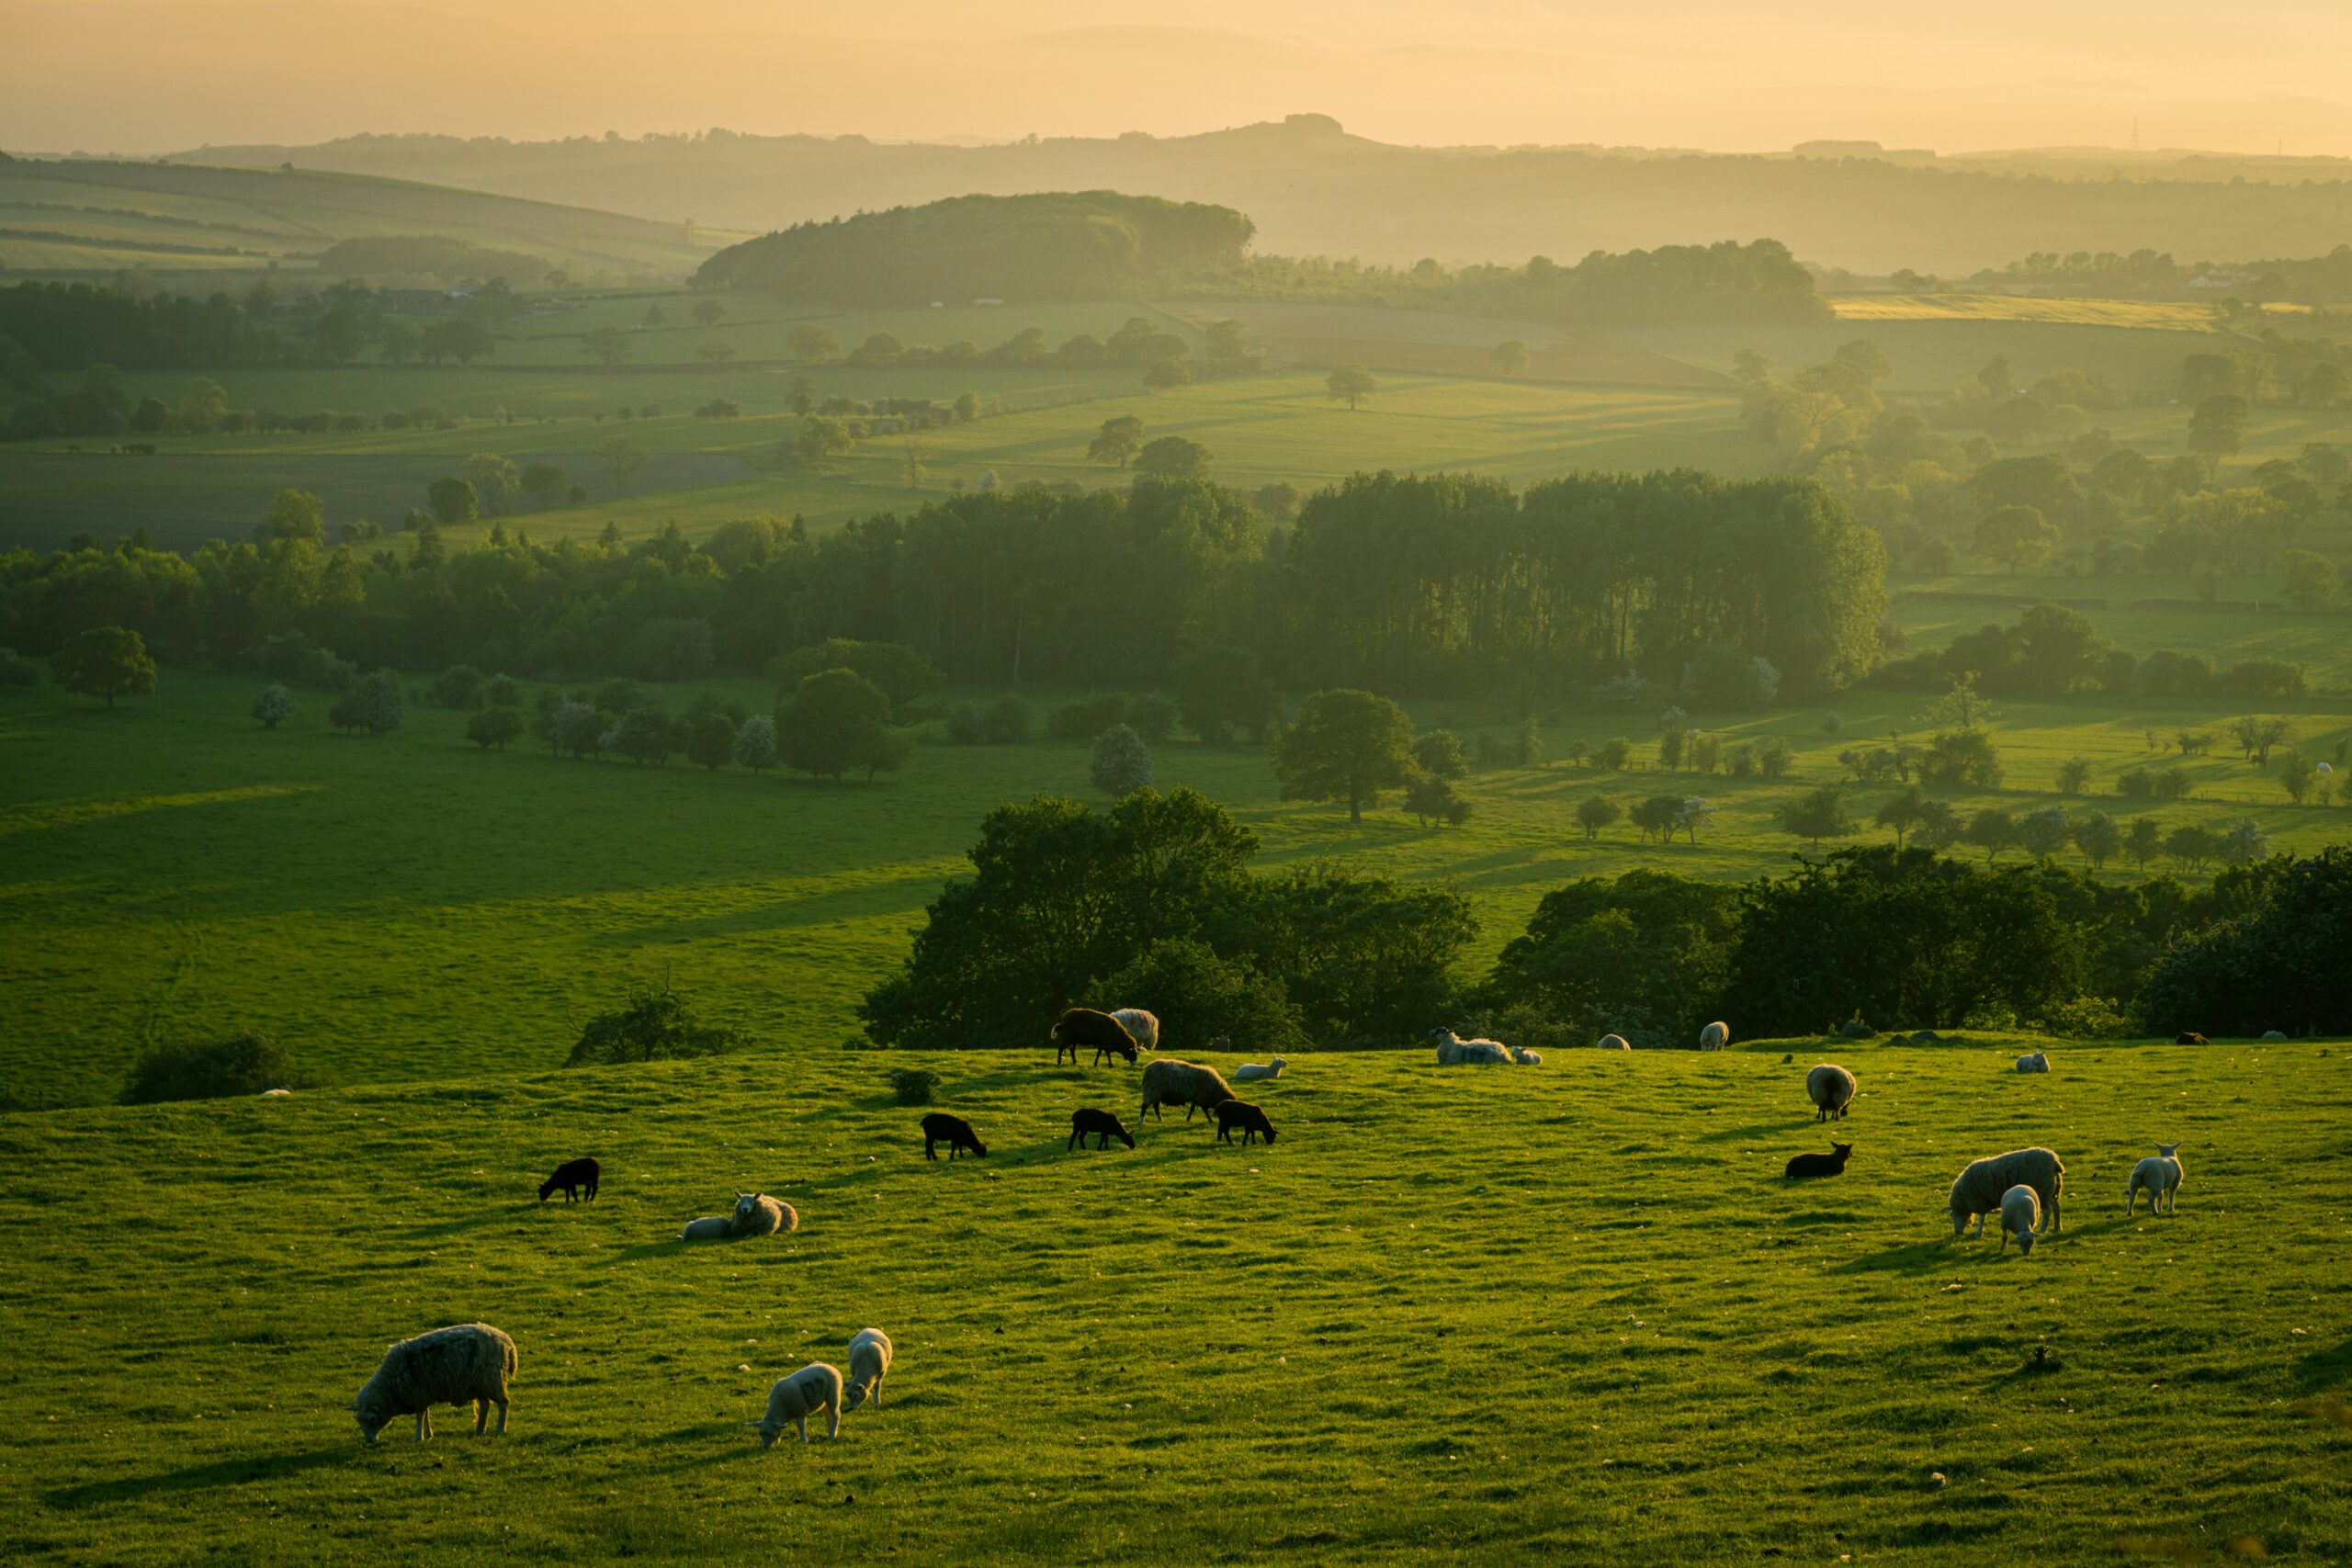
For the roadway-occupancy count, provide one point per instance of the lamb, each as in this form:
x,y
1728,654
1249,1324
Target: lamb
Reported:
x,y
1452,1051
1100,1124
1250,1119
2034,1062
2160,1175
2274,1037
1613,1043
1081,1027
1142,1027
1251,1072
955,1132
1831,1089
470,1364
571,1176
2020,1213
815,1387
710,1227
1525,1057
756,1214
1714,1037
1170,1082
869,1362
1831,1163
1978,1190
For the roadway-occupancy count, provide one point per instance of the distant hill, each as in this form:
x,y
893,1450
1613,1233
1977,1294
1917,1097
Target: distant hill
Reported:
x,y
69,216
1087,245
1316,190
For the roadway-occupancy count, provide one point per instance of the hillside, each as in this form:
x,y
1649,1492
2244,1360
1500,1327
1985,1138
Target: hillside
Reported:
x,y
1313,189
91,215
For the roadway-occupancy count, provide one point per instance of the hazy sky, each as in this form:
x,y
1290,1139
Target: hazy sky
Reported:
x,y
150,75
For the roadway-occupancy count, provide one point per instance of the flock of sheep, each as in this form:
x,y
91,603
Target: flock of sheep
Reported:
x,y
473,1363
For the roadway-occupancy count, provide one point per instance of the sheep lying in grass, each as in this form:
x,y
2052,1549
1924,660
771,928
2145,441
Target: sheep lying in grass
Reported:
x,y
1525,1057
1714,1037
1080,1027
710,1227
1102,1125
2034,1062
955,1132
1452,1051
756,1214
1142,1027
470,1364
1978,1190
869,1362
1831,1163
2274,1037
2159,1176
1170,1082
1613,1043
569,1178
1251,1072
1831,1089
1250,1119
815,1387
2021,1214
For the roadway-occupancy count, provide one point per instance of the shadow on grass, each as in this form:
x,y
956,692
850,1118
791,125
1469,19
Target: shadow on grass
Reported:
x,y
196,1478
1910,1257
2325,1369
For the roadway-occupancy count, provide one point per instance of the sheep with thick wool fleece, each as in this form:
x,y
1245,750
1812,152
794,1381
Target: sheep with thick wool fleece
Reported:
x,y
1978,1190
469,1364
869,1363
815,1387
2159,1177
756,1214
2021,1214
1170,1082
1452,1051
1831,1089
1714,1037
2034,1062
1613,1043
1142,1027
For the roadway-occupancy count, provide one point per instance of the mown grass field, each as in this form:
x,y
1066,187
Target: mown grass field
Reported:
x,y
2185,315
1569,1311
408,906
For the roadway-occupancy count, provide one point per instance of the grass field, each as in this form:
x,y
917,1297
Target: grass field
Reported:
x,y
1569,1311
408,906
2179,315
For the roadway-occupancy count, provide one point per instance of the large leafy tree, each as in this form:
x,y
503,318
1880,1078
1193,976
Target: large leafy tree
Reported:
x,y
1345,746
1641,955
836,720
105,661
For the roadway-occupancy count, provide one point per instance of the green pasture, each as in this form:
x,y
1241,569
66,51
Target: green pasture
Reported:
x,y
410,906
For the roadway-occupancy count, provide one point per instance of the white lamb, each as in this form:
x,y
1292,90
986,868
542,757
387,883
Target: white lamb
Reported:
x,y
1251,1072
2034,1062
1525,1057
793,1400
1613,1043
1714,1037
2160,1175
2021,1214
869,1362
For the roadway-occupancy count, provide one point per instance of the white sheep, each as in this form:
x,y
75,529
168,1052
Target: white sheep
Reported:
x,y
1525,1057
793,1400
756,1214
1714,1037
1170,1082
1251,1072
1978,1190
1452,1051
869,1362
2159,1174
2034,1062
275,1093
2274,1037
469,1364
2021,1214
1831,1089
1612,1043
710,1227
1142,1027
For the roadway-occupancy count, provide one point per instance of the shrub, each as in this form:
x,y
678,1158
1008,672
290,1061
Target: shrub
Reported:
x,y
1722,676
915,1086
373,704
1431,799
1122,762
1153,715
459,686
274,707
493,727
16,671
500,692
656,1026
1439,754
1087,717
1007,720
2073,774
966,725
755,744
244,1065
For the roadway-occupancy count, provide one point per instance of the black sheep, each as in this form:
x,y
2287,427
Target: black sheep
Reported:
x,y
2191,1037
955,1132
1101,1123
571,1176
1831,1163
1080,1027
1250,1119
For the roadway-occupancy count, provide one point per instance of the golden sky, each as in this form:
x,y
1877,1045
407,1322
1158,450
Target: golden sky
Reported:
x,y
151,75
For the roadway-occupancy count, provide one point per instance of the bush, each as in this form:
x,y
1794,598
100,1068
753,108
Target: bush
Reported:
x,y
274,707
719,408
1153,715
1722,676
656,1026
246,1063
493,727
1439,754
915,1086
1431,799
16,671
500,692
459,686
1007,720
966,725
1087,717
373,704
671,649
1122,762
1199,995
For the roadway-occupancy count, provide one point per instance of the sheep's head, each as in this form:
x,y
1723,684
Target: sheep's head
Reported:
x,y
373,1417
768,1431
2167,1151
745,1202
2025,1242
1841,1150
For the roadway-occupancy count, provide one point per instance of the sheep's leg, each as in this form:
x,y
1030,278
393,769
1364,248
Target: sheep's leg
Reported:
x,y
833,1428
804,1428
1071,1145
502,1417
423,1425
481,1414
877,1391
926,1150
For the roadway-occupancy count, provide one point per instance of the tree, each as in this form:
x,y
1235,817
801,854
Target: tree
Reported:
x,y
2241,842
821,438
802,396
968,407
2256,735
1595,812
1510,358
2144,841
901,672
656,1026
2308,580
295,515
1963,756
452,499
1439,754
1694,812
1166,374
1344,745
707,313
1431,799
2045,831
397,343
275,706
202,405
2191,845
713,352
1902,813
495,480
881,351
1991,830
813,345
463,339
1117,442
2014,536
1219,690
2099,837
621,459
2218,424
755,744
711,741
643,734
104,662
547,482
493,727
608,346
1122,762
373,704
2073,774
835,721
1229,347
1351,384
1173,458
1818,815
2298,775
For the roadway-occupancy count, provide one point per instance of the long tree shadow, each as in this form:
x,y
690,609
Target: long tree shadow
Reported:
x,y
196,1478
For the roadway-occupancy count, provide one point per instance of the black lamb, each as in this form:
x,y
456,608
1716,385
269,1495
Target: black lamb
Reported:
x,y
571,1175
1831,1163
955,1132
1100,1123
1250,1119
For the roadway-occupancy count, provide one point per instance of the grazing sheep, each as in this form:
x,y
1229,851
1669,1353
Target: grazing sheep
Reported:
x,y
2274,1037
1831,1089
1525,1057
1170,1082
1081,1027
1714,1037
2191,1037
1452,1051
710,1227
869,1362
2034,1062
793,1400
571,1175
1250,1119
1978,1190
470,1364
273,1093
1855,1029
1831,1163
1613,1043
756,1214
955,1132
2021,1214
1251,1072
2159,1174
1142,1027
1103,1124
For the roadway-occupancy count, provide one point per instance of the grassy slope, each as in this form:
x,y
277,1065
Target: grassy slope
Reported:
x,y
408,906
1450,1317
